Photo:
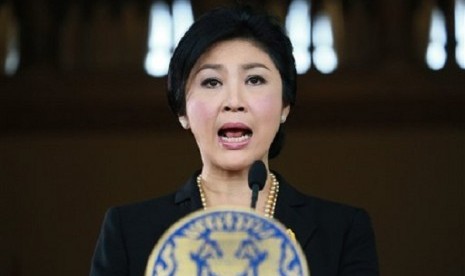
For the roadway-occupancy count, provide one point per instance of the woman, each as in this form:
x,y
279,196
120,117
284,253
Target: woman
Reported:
x,y
231,83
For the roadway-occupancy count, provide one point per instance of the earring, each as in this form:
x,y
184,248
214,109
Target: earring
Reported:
x,y
184,122
283,119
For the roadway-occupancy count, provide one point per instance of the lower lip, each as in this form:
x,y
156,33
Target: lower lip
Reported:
x,y
234,145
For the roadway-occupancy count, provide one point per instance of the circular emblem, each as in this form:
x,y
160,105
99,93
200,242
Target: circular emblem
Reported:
x,y
226,241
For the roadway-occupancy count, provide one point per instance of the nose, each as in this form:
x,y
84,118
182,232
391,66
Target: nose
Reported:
x,y
234,101
234,108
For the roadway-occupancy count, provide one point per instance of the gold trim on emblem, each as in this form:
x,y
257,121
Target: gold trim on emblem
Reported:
x,y
291,234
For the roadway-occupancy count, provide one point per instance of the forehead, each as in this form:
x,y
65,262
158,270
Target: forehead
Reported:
x,y
234,51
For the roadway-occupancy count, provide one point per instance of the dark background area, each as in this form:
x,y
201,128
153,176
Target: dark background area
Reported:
x,y
83,128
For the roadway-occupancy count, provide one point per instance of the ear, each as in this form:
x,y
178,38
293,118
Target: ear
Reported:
x,y
285,113
184,122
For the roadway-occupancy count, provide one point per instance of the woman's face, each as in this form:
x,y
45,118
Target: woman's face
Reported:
x,y
234,104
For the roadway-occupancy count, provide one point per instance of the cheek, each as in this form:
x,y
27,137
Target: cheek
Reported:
x,y
198,112
269,106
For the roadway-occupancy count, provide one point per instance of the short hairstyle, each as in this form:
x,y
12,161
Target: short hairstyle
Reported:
x,y
226,24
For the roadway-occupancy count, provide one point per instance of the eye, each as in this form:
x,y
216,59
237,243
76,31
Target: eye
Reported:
x,y
210,83
255,80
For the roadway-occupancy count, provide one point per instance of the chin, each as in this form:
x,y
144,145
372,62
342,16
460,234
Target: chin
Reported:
x,y
236,162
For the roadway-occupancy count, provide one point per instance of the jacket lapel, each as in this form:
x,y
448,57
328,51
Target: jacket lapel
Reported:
x,y
289,208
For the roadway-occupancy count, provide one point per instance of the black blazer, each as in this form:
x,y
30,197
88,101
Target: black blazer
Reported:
x,y
336,239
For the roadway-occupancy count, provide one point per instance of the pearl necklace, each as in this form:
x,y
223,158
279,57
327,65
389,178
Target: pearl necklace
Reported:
x,y
270,204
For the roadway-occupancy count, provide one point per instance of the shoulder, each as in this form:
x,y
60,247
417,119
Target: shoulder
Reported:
x,y
139,213
336,212
145,206
183,200
128,235
157,212
322,212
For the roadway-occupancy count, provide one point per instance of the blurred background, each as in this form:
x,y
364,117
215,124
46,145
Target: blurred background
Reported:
x,y
84,124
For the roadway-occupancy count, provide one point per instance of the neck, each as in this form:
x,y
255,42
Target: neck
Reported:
x,y
234,191
225,184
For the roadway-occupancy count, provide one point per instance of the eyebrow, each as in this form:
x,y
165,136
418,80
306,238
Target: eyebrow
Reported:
x,y
255,65
246,66
209,66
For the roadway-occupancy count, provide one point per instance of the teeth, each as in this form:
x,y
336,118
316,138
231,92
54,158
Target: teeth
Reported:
x,y
235,139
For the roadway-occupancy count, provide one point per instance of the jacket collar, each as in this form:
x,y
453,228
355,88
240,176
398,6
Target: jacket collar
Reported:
x,y
189,195
289,207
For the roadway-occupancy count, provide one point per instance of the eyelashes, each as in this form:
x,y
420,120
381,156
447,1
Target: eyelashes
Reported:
x,y
254,80
210,83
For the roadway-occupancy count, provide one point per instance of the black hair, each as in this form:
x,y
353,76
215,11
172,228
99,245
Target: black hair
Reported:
x,y
225,24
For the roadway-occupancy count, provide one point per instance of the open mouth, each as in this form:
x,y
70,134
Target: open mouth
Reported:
x,y
235,134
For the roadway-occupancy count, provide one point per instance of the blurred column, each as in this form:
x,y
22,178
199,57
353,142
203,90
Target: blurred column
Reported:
x,y
460,32
104,35
436,54
9,40
434,33
421,29
298,26
160,40
327,28
40,26
448,8
397,20
360,45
